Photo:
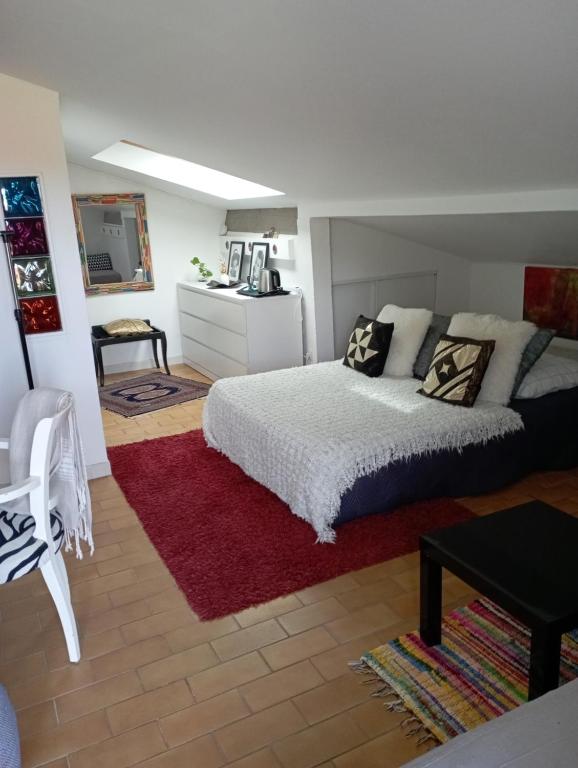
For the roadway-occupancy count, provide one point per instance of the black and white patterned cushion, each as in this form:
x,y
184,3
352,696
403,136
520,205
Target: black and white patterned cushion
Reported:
x,y
457,370
98,261
20,551
368,346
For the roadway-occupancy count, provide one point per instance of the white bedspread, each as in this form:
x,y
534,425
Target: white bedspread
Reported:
x,y
309,433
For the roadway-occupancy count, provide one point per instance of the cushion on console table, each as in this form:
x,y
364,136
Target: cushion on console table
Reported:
x,y
126,327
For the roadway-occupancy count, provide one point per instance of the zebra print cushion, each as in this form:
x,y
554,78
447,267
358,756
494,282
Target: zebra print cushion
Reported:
x,y
20,552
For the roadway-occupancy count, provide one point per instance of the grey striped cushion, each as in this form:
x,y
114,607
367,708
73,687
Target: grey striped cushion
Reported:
x,y
20,552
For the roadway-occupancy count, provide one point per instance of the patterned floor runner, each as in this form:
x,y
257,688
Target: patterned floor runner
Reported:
x,y
479,671
151,392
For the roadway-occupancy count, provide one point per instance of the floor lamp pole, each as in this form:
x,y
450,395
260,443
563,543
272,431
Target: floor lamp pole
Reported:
x,y
5,235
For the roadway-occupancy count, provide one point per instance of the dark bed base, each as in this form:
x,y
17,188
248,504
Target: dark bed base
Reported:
x,y
549,441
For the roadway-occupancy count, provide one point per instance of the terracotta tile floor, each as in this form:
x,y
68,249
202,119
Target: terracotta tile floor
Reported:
x,y
266,688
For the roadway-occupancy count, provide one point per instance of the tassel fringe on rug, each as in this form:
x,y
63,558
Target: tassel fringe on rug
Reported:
x,y
479,671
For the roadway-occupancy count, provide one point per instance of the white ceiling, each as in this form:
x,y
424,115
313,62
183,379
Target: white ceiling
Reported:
x,y
530,238
323,99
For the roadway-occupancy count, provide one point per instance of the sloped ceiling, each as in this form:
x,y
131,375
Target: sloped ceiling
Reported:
x,y
530,238
323,99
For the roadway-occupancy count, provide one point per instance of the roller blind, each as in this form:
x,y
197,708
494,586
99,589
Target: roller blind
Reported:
x,y
262,219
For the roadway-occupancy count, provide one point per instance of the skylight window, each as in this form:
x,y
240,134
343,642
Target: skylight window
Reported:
x,y
182,172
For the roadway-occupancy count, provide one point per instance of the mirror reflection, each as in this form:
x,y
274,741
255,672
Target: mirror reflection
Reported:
x,y
112,249
113,241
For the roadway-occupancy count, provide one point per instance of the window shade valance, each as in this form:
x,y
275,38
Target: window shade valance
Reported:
x,y
262,219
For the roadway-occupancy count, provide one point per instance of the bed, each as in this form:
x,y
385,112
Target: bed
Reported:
x,y
547,441
336,445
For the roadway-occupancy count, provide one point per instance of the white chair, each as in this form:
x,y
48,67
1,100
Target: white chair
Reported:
x,y
34,541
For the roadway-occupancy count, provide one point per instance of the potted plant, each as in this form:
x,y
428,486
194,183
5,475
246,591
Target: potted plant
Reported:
x,y
204,271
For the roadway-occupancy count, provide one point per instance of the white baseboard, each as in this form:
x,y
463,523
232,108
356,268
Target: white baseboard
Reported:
x,y
200,369
100,469
138,365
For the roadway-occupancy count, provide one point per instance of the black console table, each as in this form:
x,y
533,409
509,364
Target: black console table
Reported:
x,y
100,339
524,559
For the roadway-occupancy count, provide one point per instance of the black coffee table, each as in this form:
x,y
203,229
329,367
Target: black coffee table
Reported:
x,y
100,338
525,560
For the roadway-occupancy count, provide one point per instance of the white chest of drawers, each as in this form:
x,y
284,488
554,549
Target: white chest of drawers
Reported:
x,y
225,334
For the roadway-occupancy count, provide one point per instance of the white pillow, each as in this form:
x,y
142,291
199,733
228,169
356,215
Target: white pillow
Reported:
x,y
511,339
410,328
549,374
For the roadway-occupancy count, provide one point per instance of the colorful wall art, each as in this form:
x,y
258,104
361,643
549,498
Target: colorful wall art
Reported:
x,y
21,196
33,277
551,299
28,236
41,315
29,254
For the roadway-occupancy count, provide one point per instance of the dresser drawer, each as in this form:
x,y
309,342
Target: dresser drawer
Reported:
x,y
220,339
211,360
213,310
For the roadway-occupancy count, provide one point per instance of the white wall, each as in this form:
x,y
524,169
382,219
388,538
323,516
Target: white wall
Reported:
x,y
359,251
319,316
320,320
178,229
31,144
295,273
300,274
498,288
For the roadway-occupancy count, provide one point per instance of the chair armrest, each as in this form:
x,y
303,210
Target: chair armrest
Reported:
x,y
16,491
4,443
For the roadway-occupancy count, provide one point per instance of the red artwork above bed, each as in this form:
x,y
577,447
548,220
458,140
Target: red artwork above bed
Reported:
x,y
551,299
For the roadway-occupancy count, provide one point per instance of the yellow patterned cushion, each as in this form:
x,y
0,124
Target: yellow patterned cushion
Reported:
x,y
457,370
126,327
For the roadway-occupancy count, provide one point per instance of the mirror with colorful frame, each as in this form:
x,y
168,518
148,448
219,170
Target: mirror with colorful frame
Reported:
x,y
113,241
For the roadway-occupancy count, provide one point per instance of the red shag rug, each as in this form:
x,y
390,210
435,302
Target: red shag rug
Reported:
x,y
230,543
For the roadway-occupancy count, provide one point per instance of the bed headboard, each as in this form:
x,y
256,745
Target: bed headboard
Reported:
x,y
368,295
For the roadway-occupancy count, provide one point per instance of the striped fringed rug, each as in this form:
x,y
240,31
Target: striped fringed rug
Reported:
x,y
479,671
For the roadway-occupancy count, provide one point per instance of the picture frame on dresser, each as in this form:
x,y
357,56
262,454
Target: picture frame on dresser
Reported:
x,y
259,259
236,254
